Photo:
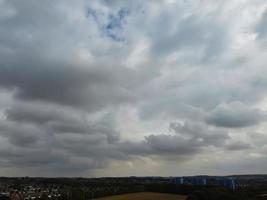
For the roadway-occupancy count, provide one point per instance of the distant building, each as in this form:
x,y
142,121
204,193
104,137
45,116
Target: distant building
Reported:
x,y
226,182
179,180
191,180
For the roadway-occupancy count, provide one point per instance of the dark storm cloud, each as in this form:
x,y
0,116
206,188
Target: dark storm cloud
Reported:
x,y
235,115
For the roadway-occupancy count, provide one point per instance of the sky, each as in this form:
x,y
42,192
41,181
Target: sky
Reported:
x,y
133,88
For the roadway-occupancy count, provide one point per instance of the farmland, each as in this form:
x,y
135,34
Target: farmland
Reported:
x,y
145,196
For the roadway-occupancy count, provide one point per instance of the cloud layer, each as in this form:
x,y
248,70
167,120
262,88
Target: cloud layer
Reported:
x,y
106,88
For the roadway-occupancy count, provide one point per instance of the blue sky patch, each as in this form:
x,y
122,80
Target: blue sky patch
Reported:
x,y
114,25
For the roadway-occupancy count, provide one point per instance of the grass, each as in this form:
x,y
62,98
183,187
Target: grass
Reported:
x,y
145,196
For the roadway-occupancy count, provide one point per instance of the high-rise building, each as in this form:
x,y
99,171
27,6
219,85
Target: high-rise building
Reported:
x,y
226,182
191,180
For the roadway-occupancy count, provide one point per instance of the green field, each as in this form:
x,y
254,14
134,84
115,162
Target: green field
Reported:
x,y
145,196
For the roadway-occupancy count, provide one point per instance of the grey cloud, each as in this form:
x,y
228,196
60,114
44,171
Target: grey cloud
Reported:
x,y
235,115
75,93
192,32
189,93
261,27
59,119
166,144
90,87
20,135
238,146
45,162
161,145
33,147
201,132
70,138
188,139
258,138
50,70
36,113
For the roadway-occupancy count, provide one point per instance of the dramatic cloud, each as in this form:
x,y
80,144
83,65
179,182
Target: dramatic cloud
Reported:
x,y
106,88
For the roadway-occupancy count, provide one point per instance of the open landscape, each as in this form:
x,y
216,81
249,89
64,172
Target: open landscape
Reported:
x,y
145,196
